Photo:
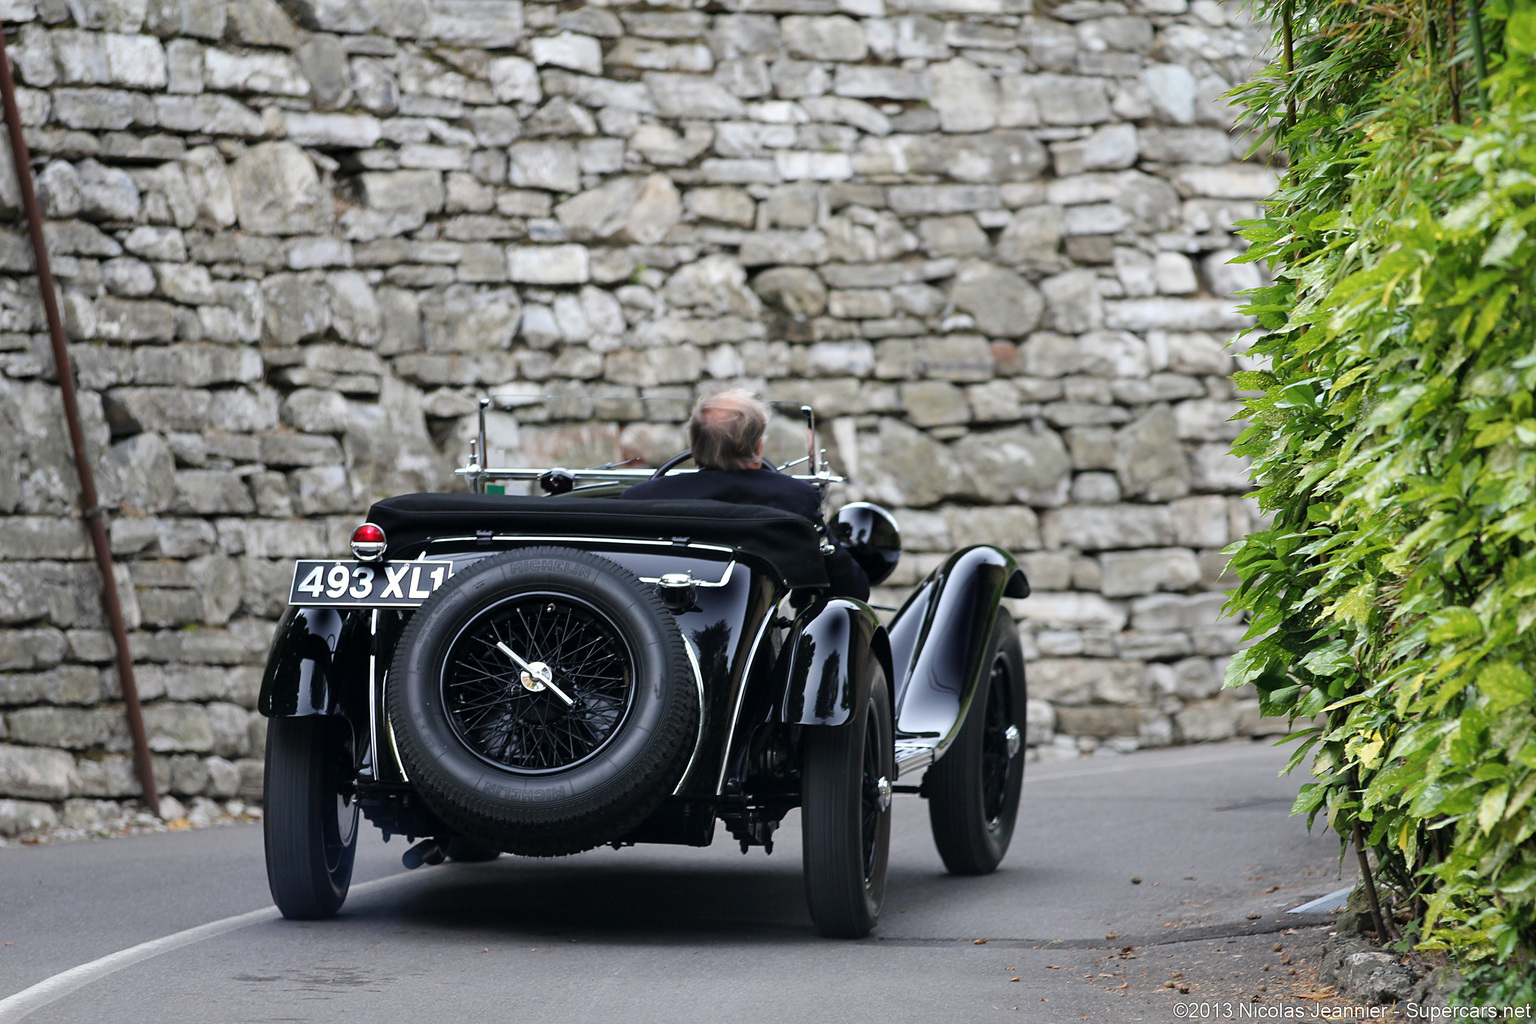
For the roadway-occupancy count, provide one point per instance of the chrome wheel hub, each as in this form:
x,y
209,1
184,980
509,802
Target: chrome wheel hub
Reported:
x,y
538,676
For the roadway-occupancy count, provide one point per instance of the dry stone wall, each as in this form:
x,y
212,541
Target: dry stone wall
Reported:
x,y
987,239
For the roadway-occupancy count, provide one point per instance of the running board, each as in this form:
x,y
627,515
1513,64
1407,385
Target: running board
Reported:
x,y
914,755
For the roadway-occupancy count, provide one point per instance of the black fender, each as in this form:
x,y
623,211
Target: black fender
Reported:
x,y
939,639
821,670
318,665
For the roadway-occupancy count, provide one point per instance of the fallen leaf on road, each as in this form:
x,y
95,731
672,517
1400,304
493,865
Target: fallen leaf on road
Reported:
x,y
979,942
1053,967
1135,881
1254,917
1013,979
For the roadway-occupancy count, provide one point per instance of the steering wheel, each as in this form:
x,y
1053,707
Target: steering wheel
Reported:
x,y
672,463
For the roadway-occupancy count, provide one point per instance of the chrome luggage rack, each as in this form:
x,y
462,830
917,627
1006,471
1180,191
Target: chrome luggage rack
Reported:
x,y
479,474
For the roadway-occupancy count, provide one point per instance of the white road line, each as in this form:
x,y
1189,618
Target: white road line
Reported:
x,y
49,990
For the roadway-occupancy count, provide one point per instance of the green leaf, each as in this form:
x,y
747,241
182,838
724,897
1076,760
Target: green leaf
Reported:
x,y
1490,315
1516,880
1308,798
1506,685
1505,242
1491,808
1520,30
1454,624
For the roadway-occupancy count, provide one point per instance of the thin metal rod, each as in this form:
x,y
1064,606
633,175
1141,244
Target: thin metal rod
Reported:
x,y
619,475
482,450
94,515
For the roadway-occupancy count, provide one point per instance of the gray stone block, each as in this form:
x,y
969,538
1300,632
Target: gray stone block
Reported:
x,y
18,817
1002,303
1132,573
1110,527
549,264
61,727
176,727
211,492
36,772
1018,464
30,649
1176,611
1098,721
1208,721
1064,609
277,191
271,73
202,19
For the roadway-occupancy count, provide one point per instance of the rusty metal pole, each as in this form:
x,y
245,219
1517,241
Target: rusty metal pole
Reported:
x,y
92,512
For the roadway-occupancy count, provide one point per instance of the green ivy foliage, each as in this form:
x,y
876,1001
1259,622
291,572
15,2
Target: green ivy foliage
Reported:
x,y
1393,438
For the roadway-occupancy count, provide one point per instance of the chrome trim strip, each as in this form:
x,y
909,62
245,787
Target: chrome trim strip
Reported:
x,y
615,541
913,756
723,581
373,695
394,747
741,695
478,473
698,743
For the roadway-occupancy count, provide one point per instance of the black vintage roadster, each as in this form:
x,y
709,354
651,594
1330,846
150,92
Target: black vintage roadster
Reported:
x,y
544,675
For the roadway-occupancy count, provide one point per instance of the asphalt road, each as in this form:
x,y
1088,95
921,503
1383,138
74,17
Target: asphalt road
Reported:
x,y
670,934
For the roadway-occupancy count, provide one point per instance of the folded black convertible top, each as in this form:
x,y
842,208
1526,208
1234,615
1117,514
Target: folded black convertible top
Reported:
x,y
785,541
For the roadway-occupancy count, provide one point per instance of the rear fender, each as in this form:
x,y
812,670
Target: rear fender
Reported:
x,y
318,665
939,639
822,666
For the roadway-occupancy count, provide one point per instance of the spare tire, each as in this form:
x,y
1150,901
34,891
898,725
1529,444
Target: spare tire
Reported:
x,y
542,700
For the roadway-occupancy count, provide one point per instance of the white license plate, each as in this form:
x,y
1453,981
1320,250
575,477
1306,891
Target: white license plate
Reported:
x,y
336,583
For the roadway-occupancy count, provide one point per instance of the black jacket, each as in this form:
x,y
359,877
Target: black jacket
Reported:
x,y
768,487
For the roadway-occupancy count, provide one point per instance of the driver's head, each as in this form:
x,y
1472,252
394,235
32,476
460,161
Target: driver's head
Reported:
x,y
726,430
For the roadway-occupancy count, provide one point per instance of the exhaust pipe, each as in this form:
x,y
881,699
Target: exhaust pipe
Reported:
x,y
425,852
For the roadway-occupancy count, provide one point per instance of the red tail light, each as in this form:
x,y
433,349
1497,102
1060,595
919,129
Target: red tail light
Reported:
x,y
368,543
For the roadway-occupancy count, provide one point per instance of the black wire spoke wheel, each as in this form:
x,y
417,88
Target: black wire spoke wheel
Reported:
x,y
543,702
310,815
974,788
845,781
873,803
997,763
510,718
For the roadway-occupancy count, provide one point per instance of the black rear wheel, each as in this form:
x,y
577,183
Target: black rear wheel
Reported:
x,y
542,702
846,816
973,790
309,815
